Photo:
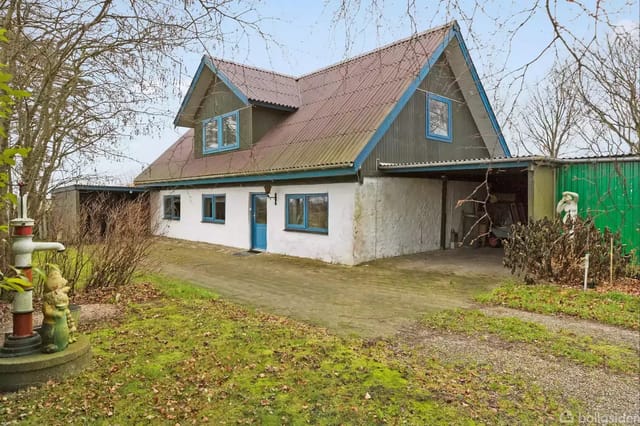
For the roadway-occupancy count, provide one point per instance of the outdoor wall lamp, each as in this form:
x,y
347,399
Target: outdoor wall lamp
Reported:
x,y
267,190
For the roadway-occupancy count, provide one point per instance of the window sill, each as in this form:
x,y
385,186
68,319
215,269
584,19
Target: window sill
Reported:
x,y
307,231
440,138
219,150
171,218
219,222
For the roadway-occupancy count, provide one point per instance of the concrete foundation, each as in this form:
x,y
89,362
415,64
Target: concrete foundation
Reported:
x,y
30,370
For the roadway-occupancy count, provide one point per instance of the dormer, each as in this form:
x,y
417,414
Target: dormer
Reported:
x,y
231,106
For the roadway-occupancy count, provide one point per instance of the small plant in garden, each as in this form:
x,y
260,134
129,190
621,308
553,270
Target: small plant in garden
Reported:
x,y
549,250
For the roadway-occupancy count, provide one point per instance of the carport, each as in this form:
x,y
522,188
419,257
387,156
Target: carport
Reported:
x,y
519,188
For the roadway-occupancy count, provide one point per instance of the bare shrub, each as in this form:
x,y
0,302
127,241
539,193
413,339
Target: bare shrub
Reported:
x,y
549,250
111,240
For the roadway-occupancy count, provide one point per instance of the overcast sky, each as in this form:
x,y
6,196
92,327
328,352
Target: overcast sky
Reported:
x,y
307,36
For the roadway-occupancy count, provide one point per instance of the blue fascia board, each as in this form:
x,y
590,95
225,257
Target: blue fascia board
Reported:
x,y
454,167
440,138
481,92
205,61
236,91
192,87
255,178
406,96
395,111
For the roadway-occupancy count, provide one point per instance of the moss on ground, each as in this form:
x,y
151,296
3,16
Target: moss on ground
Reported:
x,y
581,349
610,308
192,358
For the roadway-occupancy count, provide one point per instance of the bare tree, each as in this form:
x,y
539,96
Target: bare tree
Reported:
x,y
99,70
551,114
609,89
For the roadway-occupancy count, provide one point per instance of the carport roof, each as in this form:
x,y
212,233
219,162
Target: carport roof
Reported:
x,y
463,169
478,167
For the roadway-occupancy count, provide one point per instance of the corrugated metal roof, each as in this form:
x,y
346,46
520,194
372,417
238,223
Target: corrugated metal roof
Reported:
x,y
339,109
261,85
501,160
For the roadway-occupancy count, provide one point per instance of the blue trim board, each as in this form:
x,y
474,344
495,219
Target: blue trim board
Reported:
x,y
395,111
212,199
305,213
220,134
226,81
449,137
453,167
254,178
481,92
192,87
406,96
205,61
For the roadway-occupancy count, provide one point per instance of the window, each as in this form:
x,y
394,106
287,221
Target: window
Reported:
x,y
308,212
172,207
439,125
213,208
220,133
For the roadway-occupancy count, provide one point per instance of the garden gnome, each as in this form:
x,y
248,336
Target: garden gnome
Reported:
x,y
569,205
58,326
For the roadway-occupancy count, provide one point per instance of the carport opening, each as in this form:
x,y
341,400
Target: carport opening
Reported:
x,y
470,217
474,219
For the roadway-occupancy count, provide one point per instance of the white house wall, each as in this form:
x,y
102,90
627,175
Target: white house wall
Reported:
x,y
336,246
235,232
396,216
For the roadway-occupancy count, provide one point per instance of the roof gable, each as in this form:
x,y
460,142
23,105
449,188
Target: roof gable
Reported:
x,y
342,112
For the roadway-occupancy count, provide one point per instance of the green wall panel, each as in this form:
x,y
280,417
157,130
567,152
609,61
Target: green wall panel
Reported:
x,y
610,192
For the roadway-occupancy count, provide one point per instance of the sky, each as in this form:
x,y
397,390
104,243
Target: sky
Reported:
x,y
308,35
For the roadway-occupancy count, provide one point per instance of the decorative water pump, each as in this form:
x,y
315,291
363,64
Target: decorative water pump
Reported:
x,y
23,340
30,358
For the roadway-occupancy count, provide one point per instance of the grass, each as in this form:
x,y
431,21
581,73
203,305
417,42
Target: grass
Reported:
x,y
610,308
581,349
189,357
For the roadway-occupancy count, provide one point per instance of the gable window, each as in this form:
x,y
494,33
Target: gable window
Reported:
x,y
213,208
171,207
221,133
307,212
439,118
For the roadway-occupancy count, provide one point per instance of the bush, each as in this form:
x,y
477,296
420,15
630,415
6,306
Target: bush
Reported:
x,y
112,239
551,251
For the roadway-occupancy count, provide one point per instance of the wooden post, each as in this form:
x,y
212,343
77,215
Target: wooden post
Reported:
x,y
611,263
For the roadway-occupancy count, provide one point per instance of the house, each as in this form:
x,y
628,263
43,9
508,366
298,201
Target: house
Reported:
x,y
360,160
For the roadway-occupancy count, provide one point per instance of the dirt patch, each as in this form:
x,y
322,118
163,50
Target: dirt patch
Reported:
x,y
461,261
90,315
97,307
601,391
370,300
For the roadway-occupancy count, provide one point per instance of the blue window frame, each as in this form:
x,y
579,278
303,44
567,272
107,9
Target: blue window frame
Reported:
x,y
221,133
307,212
171,208
213,208
439,118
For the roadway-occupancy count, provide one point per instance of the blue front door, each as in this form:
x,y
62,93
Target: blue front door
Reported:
x,y
258,221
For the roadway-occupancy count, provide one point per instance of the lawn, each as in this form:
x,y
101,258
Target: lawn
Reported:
x,y
189,357
610,308
581,349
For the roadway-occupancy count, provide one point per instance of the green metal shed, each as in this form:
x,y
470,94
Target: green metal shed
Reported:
x,y
609,190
